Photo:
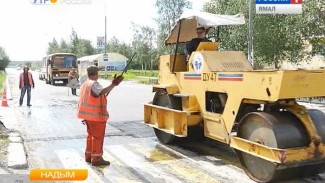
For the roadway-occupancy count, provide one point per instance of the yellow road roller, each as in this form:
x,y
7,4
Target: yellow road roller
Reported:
x,y
254,111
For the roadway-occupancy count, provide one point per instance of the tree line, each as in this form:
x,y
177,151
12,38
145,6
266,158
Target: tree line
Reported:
x,y
277,38
4,59
147,42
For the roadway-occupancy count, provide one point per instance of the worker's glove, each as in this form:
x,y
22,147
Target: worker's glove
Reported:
x,y
33,86
116,81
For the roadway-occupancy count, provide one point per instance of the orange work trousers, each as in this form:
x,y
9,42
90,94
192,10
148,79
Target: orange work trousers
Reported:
x,y
95,140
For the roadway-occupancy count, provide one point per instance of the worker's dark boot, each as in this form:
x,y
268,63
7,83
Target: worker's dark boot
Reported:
x,y
101,163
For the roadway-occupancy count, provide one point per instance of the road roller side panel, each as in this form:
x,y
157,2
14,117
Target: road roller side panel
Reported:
x,y
171,114
168,120
307,82
276,155
173,121
214,128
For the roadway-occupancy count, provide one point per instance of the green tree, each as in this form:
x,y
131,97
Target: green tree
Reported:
x,y
74,42
168,13
80,47
277,38
4,59
318,45
64,46
88,48
143,43
53,47
116,46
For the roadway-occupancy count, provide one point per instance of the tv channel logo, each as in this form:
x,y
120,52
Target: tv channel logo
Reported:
x,y
54,2
278,6
278,1
43,2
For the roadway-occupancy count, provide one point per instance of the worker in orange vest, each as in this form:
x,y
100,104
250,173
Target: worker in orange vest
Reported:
x,y
92,107
25,84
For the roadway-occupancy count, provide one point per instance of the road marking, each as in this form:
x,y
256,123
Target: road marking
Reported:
x,y
223,172
117,172
173,165
145,170
71,159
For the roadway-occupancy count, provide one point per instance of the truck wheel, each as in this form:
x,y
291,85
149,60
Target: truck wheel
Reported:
x,y
52,82
163,99
164,137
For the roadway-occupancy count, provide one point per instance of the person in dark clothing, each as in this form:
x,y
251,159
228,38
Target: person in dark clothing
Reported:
x,y
194,43
25,83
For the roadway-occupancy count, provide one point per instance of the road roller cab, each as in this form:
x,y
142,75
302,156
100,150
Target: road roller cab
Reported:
x,y
255,112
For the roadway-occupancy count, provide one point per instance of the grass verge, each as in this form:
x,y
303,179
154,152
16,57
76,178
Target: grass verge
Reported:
x,y
2,81
143,77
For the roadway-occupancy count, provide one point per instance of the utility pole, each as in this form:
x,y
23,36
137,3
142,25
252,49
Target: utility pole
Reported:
x,y
250,34
105,35
105,56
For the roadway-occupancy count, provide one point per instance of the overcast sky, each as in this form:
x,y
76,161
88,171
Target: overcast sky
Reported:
x,y
26,29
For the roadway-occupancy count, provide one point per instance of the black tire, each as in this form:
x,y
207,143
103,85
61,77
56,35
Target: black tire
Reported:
x,y
164,137
163,99
52,82
195,133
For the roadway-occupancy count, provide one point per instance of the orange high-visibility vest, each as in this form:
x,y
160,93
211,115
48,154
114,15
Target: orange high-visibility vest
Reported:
x,y
89,107
30,79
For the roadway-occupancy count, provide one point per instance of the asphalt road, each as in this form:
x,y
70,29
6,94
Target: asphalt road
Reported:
x,y
55,138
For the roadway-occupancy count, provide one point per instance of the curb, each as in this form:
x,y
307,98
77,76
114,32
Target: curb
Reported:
x,y
16,152
9,96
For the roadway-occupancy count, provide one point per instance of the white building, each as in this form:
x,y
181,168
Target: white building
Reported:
x,y
317,62
116,62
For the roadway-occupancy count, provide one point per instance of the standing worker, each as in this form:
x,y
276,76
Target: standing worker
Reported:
x,y
92,107
25,83
73,81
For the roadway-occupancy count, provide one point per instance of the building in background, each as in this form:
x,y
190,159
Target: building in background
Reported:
x,y
116,62
317,62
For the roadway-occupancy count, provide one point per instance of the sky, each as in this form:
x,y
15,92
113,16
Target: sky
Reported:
x,y
26,28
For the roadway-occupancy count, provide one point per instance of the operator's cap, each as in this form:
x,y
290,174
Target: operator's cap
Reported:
x,y
26,67
92,70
